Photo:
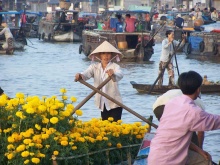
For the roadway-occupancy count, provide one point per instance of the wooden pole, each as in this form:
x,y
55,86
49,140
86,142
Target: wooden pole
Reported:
x,y
118,103
90,95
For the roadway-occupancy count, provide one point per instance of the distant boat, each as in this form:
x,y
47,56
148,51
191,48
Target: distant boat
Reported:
x,y
60,29
19,38
204,45
145,88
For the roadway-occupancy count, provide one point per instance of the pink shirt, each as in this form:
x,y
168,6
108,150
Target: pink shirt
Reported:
x,y
180,118
130,25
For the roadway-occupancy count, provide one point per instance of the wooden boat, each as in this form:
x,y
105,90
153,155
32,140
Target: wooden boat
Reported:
x,y
135,46
19,39
59,29
145,88
204,45
128,43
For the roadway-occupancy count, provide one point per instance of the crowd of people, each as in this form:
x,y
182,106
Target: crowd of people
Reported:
x,y
128,22
211,14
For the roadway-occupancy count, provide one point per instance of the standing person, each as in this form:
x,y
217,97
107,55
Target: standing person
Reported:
x,y
106,53
198,14
180,118
130,23
8,36
179,22
167,52
214,15
147,22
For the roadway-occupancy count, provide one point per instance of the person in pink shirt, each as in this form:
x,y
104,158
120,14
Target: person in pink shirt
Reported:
x,y
130,23
181,117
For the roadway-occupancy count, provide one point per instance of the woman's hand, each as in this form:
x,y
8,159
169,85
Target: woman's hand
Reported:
x,y
110,72
78,76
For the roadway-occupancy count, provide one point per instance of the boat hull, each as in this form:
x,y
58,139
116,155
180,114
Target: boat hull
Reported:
x,y
145,88
59,32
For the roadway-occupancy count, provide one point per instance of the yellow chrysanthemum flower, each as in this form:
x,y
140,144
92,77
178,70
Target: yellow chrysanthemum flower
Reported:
x,y
27,141
45,136
35,160
74,148
37,126
110,119
56,153
64,97
64,143
25,154
119,145
63,90
19,95
30,110
54,120
10,146
73,99
10,156
26,161
79,112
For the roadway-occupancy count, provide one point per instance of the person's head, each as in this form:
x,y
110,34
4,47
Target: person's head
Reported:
x,y
105,53
128,15
198,9
4,24
178,15
190,83
118,16
205,9
192,9
169,34
105,57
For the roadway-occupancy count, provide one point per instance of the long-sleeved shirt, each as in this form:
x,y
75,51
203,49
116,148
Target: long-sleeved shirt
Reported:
x,y
214,16
167,49
7,33
111,88
180,118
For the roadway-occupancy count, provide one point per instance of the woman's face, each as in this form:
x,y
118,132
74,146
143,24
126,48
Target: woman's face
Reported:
x,y
171,35
106,57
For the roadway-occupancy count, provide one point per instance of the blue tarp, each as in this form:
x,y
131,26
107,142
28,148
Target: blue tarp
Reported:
x,y
195,41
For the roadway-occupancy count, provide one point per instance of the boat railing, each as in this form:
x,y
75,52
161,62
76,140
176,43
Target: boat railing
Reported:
x,y
124,154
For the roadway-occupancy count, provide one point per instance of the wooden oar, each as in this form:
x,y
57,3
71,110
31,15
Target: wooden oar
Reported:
x,y
163,69
118,103
90,95
176,60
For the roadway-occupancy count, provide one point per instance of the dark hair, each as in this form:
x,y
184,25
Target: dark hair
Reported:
x,y
168,32
1,91
189,82
128,15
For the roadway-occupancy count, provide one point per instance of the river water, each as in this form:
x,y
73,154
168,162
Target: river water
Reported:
x,y
43,68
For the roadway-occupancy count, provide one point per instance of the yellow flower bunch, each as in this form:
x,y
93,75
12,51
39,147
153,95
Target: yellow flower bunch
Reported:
x,y
33,129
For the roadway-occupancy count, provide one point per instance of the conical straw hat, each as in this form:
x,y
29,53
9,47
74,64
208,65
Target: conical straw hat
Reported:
x,y
105,47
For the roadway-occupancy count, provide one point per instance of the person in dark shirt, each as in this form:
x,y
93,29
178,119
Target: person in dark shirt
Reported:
x,y
179,21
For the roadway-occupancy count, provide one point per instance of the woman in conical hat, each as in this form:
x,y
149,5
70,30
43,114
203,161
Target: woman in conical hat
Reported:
x,y
105,53
103,48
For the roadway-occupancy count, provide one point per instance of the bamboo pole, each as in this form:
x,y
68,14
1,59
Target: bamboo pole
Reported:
x,y
90,95
118,103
